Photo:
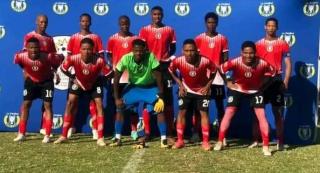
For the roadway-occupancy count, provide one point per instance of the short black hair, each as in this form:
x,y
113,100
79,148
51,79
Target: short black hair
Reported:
x,y
157,8
85,15
211,15
87,41
189,41
248,44
272,19
33,40
138,42
124,17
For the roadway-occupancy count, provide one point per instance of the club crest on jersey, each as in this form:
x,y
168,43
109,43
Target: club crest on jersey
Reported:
x,y
57,121
11,119
18,5
289,37
85,71
35,68
60,8
141,9
211,44
61,43
304,132
2,31
158,35
180,102
288,100
192,73
125,45
223,9
230,99
101,9
25,92
267,9
182,8
74,87
248,74
269,48
311,8
307,70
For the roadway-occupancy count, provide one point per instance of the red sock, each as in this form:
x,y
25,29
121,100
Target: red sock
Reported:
x,y
229,113
93,114
22,126
134,122
48,126
205,133
100,120
146,121
180,131
43,125
264,126
66,124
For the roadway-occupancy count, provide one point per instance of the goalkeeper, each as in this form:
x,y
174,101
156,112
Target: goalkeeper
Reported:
x,y
144,86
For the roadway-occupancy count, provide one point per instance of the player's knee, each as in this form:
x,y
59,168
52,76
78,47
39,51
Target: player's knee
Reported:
x,y
47,105
26,104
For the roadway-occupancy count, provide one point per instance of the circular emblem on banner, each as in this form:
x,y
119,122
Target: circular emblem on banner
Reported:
x,y
2,31
180,102
288,100
248,74
307,70
60,8
192,73
211,44
125,45
61,43
141,9
158,35
266,9
11,120
74,87
85,71
223,9
18,5
101,9
35,68
269,48
289,37
311,8
182,9
304,132
57,121
230,99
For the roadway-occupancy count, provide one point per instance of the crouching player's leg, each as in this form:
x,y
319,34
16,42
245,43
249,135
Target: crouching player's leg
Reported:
x,y
202,106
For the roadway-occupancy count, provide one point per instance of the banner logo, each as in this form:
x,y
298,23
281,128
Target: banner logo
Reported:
x,y
11,119
289,37
223,9
18,5
141,9
2,31
60,8
182,9
57,121
288,100
307,71
304,132
267,9
311,8
101,9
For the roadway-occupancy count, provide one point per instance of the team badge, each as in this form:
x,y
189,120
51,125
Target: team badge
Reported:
x,y
57,121
85,71
289,37
230,99
307,70
223,9
18,5
125,45
266,9
74,87
288,100
141,9
180,102
2,31
192,73
311,8
269,48
182,9
211,44
158,35
11,119
60,8
248,74
35,68
25,92
101,9
304,132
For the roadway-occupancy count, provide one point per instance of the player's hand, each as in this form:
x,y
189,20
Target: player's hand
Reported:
x,y
159,105
232,85
286,84
182,91
57,78
205,90
119,103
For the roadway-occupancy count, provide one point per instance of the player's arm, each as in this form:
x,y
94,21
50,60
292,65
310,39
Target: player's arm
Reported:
x,y
172,49
223,69
288,70
66,64
172,70
225,50
206,89
225,56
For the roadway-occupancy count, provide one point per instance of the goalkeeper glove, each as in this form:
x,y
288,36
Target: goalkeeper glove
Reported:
x,y
159,105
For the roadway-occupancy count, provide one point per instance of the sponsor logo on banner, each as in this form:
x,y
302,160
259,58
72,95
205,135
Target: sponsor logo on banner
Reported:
x,y
182,8
304,132
57,121
307,70
267,9
2,31
288,100
311,8
289,37
60,8
141,8
223,9
11,119
101,9
61,43
18,5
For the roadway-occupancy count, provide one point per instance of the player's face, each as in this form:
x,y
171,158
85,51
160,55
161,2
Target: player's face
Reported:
x,y
271,28
248,55
124,25
211,24
86,51
85,23
190,52
156,16
42,23
33,50
138,52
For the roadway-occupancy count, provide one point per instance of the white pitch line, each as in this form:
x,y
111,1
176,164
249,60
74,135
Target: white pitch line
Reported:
x,y
134,161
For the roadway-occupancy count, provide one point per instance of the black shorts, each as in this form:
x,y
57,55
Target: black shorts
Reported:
x,y
95,92
167,83
43,90
192,100
235,98
274,93
218,92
